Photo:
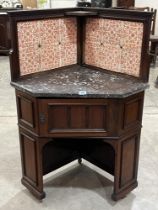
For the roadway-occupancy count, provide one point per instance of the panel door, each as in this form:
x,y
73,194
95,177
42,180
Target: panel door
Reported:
x,y
73,117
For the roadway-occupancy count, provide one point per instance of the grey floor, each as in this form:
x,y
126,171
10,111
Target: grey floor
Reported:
x,y
73,187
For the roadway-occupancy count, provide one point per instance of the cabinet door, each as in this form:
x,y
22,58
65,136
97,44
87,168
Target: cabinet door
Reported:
x,y
73,117
4,39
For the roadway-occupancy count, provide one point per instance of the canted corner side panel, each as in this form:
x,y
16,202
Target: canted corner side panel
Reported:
x,y
29,161
46,44
114,45
132,112
26,111
128,161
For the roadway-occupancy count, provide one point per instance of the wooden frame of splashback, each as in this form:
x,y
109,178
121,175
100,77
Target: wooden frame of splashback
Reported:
x,y
81,14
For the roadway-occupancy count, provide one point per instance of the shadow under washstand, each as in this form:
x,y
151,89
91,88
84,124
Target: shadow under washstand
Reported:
x,y
79,180
72,187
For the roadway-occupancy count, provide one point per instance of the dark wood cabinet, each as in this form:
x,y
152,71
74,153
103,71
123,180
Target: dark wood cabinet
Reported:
x,y
68,122
5,33
5,42
80,76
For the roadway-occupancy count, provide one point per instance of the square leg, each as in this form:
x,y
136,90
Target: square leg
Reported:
x,y
126,166
31,158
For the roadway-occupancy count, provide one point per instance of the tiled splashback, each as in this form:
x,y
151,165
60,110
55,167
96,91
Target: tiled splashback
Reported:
x,y
114,45
47,44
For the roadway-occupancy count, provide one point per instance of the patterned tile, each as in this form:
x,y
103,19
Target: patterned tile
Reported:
x,y
133,63
28,33
114,45
47,44
110,44
50,58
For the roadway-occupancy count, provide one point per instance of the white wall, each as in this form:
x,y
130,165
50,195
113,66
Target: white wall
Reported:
x,y
149,3
71,3
63,3
114,3
138,3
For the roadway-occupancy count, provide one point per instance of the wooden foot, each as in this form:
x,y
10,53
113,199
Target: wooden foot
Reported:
x,y
123,193
39,195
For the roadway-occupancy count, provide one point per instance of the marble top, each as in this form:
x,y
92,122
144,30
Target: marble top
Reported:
x,y
79,82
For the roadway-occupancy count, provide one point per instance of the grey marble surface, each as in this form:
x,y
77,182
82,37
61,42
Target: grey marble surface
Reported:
x,y
80,82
